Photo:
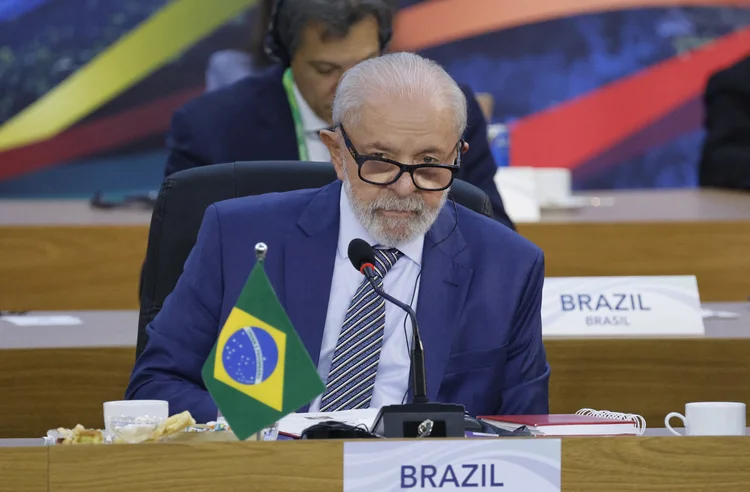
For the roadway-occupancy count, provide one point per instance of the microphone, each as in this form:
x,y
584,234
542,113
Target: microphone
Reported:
x,y
405,420
362,257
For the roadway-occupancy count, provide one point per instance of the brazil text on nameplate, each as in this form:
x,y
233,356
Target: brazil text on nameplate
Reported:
x,y
507,465
621,306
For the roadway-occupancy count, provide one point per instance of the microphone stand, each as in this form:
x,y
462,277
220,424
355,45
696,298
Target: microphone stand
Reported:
x,y
417,355
405,420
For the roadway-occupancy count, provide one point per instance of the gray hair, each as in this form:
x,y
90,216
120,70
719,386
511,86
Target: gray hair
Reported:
x,y
336,15
398,74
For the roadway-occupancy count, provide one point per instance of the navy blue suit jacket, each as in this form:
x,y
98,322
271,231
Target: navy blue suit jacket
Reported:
x,y
478,310
251,121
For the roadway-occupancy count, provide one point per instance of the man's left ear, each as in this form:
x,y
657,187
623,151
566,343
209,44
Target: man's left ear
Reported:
x,y
464,148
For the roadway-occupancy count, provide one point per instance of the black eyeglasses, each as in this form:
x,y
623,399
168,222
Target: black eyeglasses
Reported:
x,y
381,171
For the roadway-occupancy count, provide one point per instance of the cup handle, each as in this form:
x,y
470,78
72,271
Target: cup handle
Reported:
x,y
669,417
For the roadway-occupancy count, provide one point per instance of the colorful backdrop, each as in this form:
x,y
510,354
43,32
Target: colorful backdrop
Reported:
x,y
608,88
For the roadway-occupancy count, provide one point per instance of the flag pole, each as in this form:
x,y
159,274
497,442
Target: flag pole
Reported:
x,y
260,251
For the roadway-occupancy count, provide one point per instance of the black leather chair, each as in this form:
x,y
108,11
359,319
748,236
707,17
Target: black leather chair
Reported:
x,y
185,196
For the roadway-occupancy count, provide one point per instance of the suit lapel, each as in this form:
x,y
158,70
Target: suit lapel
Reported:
x,y
309,255
442,295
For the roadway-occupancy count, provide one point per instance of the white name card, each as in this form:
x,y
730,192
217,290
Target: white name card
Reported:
x,y
507,465
621,306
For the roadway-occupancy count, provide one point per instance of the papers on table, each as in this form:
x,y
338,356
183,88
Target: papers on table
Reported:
x,y
57,320
293,424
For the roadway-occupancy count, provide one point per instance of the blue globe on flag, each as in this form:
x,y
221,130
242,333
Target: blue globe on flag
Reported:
x,y
250,355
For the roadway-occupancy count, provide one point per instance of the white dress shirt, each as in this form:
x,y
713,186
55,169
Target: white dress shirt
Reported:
x,y
312,124
392,379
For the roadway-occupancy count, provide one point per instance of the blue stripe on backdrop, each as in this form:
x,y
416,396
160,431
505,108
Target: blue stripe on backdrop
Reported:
x,y
131,173
671,165
534,67
12,9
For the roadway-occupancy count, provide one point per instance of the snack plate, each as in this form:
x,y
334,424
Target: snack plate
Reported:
x,y
210,432
120,429
55,437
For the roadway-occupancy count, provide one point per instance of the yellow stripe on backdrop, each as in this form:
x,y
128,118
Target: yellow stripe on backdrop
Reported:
x,y
151,45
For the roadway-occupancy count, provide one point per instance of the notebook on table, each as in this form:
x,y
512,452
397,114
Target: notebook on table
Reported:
x,y
585,422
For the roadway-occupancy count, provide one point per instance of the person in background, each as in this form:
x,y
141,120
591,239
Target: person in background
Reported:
x,y
725,161
396,146
278,114
228,66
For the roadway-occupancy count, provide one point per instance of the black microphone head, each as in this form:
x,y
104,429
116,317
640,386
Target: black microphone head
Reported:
x,y
360,253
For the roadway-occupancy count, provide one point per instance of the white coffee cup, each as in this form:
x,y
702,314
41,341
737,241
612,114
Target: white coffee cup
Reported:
x,y
553,185
156,409
710,418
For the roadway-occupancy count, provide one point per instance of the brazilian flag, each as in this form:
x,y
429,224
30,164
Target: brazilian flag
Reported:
x,y
259,371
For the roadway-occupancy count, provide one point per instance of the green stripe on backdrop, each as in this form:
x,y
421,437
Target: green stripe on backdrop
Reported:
x,y
157,40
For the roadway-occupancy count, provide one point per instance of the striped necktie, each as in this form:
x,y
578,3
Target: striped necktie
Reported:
x,y
351,378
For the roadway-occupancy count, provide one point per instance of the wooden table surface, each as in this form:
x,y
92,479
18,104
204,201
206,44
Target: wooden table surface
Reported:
x,y
627,206
622,464
683,205
59,376
62,255
705,233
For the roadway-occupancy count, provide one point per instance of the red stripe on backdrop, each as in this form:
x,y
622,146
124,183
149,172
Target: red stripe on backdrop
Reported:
x,y
576,131
682,121
453,20
87,139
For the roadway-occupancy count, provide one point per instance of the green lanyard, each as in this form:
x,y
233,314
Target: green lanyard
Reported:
x,y
288,82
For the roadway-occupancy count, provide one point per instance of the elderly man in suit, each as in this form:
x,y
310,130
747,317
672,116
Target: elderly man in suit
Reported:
x,y
279,113
476,285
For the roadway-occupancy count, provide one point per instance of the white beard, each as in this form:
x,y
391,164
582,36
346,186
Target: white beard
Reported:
x,y
392,232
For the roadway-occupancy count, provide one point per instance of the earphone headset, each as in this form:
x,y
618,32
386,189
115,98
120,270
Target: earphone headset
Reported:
x,y
416,284
278,51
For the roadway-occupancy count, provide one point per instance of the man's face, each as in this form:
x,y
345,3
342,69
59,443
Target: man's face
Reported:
x,y
319,62
410,132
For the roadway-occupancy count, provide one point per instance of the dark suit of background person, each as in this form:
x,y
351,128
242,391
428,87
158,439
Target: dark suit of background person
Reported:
x,y
252,120
725,162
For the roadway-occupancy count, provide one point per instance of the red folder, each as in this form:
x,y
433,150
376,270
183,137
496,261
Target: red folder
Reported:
x,y
564,424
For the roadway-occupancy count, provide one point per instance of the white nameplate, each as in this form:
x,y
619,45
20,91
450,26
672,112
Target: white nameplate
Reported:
x,y
506,465
621,306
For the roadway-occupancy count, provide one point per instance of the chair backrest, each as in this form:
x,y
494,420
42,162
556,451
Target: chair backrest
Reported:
x,y
185,196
